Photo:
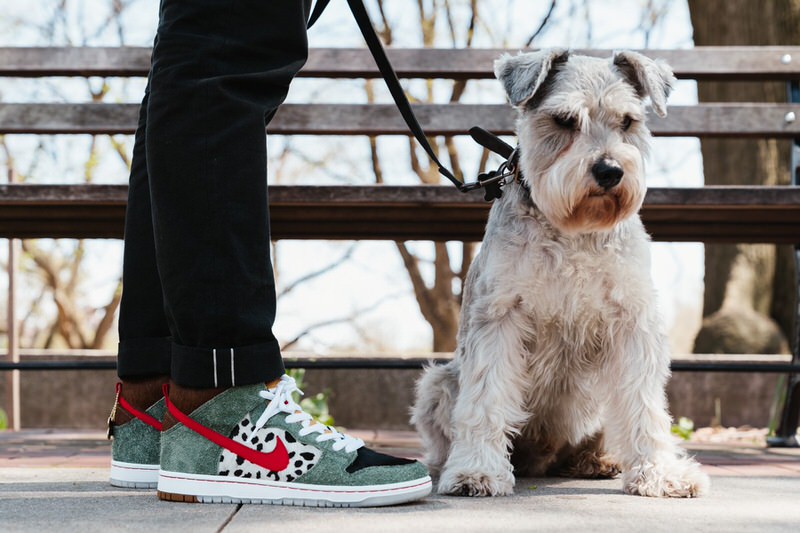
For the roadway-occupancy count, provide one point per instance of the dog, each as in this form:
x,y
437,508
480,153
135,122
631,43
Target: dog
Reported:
x,y
561,355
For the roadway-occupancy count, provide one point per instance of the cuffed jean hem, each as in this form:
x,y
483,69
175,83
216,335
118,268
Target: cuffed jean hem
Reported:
x,y
226,366
142,357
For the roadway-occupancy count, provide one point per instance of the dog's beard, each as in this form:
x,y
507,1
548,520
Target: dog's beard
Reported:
x,y
601,211
574,203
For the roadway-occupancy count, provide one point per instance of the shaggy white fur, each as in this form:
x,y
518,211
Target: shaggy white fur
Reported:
x,y
561,355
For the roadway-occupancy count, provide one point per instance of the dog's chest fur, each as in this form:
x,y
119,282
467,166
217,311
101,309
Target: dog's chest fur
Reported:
x,y
574,290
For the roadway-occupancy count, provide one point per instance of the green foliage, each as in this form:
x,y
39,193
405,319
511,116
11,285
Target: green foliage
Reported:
x,y
684,428
3,420
776,407
317,405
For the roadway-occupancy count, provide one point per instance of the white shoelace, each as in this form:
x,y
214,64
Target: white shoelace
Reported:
x,y
281,402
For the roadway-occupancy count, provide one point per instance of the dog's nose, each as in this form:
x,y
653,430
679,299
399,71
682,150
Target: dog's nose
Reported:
x,y
607,176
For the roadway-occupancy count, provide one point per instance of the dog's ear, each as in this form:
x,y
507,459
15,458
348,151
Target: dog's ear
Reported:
x,y
648,77
523,75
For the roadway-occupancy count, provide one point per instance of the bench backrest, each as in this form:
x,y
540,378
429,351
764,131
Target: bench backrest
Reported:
x,y
743,214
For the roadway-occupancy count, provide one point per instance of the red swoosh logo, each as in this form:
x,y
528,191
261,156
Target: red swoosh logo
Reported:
x,y
274,461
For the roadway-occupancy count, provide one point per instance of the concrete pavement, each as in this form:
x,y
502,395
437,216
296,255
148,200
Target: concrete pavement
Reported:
x,y
57,481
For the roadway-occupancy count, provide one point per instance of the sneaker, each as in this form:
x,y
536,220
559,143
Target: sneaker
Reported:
x,y
135,445
255,445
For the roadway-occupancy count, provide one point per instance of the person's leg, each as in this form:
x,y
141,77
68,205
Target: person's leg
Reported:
x,y
219,68
198,181
220,75
217,87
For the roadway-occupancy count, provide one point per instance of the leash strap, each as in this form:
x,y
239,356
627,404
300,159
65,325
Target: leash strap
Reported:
x,y
389,75
491,141
491,181
319,7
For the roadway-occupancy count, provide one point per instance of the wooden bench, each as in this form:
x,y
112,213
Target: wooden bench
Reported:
x,y
708,214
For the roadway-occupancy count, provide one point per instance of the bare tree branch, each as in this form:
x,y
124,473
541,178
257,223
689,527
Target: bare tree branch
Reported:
x,y
373,140
341,320
109,311
74,267
450,23
386,30
542,25
411,263
121,150
317,273
472,20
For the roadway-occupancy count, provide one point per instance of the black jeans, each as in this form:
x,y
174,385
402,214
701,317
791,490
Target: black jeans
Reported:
x,y
199,295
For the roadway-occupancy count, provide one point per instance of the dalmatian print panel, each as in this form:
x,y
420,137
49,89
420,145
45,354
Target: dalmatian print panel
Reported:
x,y
302,457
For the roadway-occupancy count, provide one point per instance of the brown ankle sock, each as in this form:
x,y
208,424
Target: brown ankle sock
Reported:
x,y
187,400
140,393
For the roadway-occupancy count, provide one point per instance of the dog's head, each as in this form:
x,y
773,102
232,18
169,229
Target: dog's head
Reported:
x,y
582,132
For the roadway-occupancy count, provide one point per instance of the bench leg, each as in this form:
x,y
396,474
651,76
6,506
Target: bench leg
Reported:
x,y
786,433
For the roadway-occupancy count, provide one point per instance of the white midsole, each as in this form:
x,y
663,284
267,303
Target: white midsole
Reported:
x,y
134,472
259,489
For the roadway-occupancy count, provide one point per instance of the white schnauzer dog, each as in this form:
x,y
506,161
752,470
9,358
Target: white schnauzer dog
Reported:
x,y
561,361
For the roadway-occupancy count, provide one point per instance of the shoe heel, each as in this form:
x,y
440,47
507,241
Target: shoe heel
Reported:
x,y
170,497
133,475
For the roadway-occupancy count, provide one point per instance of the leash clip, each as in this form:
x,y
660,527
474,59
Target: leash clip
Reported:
x,y
494,180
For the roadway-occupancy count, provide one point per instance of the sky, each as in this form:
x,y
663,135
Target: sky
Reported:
x,y
374,277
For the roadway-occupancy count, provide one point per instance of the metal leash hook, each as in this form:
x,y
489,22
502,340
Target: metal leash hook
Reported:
x,y
493,180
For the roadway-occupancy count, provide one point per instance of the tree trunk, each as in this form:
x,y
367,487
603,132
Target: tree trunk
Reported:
x,y
747,302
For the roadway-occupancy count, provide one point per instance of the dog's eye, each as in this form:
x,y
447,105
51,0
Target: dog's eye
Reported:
x,y
564,121
627,122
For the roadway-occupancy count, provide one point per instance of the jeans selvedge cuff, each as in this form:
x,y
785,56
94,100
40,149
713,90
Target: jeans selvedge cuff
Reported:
x,y
142,357
226,366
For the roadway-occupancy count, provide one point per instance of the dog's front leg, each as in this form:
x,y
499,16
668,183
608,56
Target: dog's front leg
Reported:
x,y
638,424
488,408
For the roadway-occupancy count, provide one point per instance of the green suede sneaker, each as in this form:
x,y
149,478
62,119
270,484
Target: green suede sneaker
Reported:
x,y
135,445
255,445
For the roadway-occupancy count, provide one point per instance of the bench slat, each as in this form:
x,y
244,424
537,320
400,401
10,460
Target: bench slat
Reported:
x,y
704,120
380,212
701,63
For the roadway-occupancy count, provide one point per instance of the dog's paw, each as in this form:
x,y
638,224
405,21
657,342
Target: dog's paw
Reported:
x,y
591,466
475,484
679,478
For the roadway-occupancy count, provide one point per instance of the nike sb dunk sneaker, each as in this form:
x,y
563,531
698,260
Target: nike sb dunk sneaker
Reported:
x,y
135,445
251,444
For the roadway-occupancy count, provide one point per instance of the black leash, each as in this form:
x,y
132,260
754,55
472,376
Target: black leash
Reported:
x,y
490,181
